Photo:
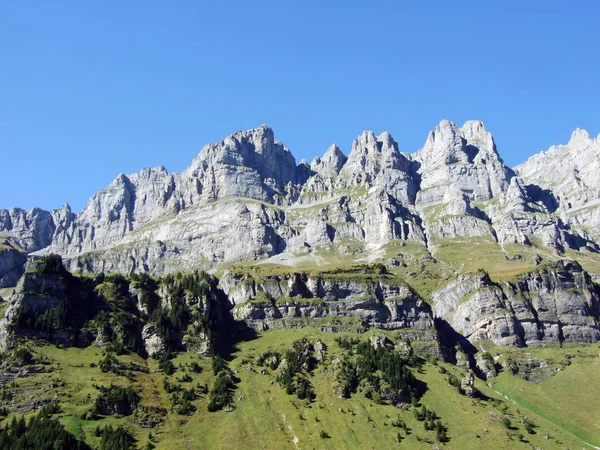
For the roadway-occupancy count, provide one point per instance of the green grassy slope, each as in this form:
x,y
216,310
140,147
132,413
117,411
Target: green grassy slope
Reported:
x,y
568,399
265,417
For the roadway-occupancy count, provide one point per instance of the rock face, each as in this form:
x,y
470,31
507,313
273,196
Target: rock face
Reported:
x,y
153,341
248,191
36,293
375,301
463,159
12,265
331,163
376,161
555,304
565,179
136,313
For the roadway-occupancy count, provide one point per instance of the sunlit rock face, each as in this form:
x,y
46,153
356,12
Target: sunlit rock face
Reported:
x,y
245,198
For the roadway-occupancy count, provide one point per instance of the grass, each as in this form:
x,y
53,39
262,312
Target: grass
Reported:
x,y
4,294
568,399
266,417
483,254
6,244
299,301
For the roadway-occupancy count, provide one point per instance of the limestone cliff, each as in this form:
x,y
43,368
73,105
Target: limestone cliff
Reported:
x,y
557,303
245,198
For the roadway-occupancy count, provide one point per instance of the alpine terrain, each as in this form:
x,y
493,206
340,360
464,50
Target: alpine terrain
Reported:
x,y
377,299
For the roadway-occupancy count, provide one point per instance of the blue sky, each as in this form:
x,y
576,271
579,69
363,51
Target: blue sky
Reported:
x,y
91,89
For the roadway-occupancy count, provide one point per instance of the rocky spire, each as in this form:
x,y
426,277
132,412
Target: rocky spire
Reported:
x,y
254,149
465,157
376,160
331,162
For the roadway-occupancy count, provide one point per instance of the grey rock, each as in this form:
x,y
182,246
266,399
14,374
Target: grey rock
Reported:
x,y
380,341
330,163
378,303
556,304
564,178
376,161
153,342
485,364
464,158
32,230
12,265
467,384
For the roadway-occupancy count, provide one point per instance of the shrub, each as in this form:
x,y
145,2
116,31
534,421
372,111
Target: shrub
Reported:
x,y
116,439
116,400
50,264
166,365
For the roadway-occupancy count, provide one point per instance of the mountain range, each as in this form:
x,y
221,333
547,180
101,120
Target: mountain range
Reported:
x,y
246,199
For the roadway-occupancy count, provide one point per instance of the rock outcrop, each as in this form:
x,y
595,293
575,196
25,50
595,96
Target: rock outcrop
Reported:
x,y
330,163
37,292
464,159
12,263
565,179
557,303
382,301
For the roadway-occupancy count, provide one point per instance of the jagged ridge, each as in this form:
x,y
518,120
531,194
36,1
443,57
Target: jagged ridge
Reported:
x,y
245,198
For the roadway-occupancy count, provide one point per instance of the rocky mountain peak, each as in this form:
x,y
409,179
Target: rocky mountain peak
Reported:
x,y
580,138
480,143
566,176
149,173
444,145
371,153
463,156
386,139
474,129
254,149
376,160
332,161
582,144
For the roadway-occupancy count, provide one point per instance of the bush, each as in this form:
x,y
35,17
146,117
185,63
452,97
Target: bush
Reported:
x,y
116,439
271,357
23,355
221,393
166,365
186,378
50,264
181,401
529,426
110,364
116,400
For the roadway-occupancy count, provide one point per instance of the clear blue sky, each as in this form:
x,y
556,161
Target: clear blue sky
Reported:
x,y
89,89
